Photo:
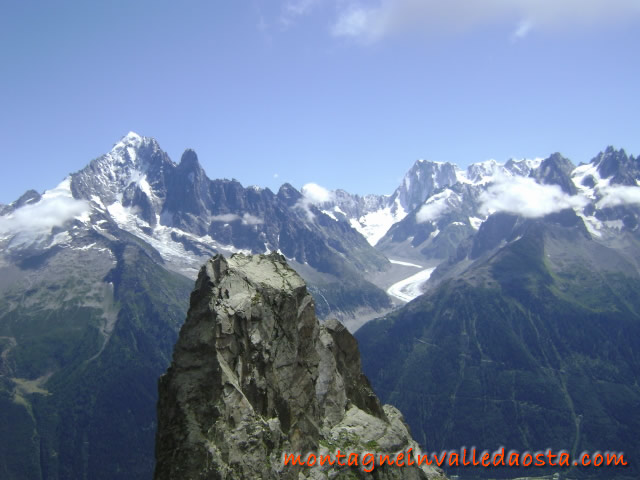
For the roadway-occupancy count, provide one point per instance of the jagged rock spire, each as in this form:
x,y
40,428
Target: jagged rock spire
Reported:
x,y
255,375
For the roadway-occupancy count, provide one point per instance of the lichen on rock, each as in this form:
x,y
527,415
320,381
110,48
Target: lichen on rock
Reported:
x,y
255,375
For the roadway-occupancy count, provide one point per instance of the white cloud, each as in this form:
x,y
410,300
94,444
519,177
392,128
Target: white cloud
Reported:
x,y
523,196
388,17
431,212
618,195
523,30
54,209
225,217
294,9
436,205
275,175
249,219
39,218
315,194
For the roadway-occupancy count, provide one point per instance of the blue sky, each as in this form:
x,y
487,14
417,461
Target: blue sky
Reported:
x,y
347,94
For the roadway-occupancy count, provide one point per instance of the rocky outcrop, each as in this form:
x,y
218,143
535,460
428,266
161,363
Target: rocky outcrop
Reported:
x,y
255,375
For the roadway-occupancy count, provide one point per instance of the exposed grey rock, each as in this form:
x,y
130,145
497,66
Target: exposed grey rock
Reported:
x,y
556,170
254,375
618,166
137,187
422,180
27,198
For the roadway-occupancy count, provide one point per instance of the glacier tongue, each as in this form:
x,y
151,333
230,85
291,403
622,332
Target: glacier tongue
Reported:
x,y
411,287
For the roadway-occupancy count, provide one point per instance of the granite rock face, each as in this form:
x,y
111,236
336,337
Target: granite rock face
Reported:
x,y
255,375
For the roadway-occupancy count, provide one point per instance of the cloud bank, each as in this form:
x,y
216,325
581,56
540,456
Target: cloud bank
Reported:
x,y
389,17
618,195
523,196
41,217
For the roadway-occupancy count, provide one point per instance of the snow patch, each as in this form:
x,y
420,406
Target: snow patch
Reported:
x,y
592,223
330,214
98,201
406,264
615,224
475,222
61,238
374,225
86,247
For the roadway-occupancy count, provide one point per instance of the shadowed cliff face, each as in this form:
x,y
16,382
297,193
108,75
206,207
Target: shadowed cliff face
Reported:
x,y
254,375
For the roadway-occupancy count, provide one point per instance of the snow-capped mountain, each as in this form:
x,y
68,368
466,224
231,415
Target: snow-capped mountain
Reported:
x,y
186,216
543,291
374,215
95,273
180,218
95,276
533,311
435,229
421,181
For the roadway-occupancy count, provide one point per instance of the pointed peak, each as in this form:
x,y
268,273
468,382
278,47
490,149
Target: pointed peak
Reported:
x,y
558,160
611,150
608,152
424,161
131,139
289,194
287,187
189,160
132,136
617,165
28,197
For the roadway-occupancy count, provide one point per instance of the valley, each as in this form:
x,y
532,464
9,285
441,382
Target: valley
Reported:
x,y
506,289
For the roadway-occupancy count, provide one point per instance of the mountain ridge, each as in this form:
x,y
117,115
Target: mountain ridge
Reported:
x,y
82,317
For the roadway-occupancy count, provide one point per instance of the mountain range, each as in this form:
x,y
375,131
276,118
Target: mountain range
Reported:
x,y
95,276
528,334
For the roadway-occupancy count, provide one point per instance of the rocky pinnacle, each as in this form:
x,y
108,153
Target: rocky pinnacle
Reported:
x,y
255,375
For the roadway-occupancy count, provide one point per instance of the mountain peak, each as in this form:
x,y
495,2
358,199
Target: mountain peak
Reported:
x,y
131,139
556,170
617,166
289,194
482,172
189,160
559,160
134,159
132,135
424,178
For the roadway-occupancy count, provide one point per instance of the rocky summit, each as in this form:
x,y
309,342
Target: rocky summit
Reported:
x,y
255,375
